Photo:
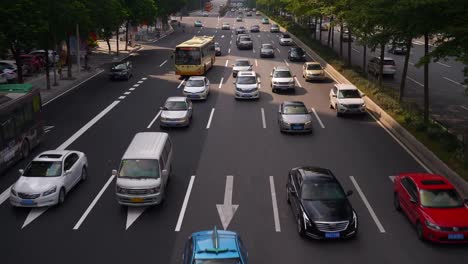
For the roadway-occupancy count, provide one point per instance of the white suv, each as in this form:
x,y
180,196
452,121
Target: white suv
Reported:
x,y
282,79
347,99
246,85
389,67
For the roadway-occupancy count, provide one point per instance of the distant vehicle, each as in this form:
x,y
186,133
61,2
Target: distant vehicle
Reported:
x,y
255,28
226,26
433,206
48,178
285,39
213,247
189,58
296,54
10,70
122,70
197,23
21,120
33,63
205,14
282,79
197,88
246,85
248,13
145,170
397,48
240,30
389,68
320,206
347,37
217,49
274,28
265,21
241,65
176,112
293,116
258,13
53,56
244,42
267,50
239,19
313,71
346,99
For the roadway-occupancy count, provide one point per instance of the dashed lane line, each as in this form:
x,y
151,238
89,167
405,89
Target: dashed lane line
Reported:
x,y
287,64
154,119
226,64
121,97
256,63
355,50
132,89
443,64
452,81
275,204
229,50
184,204
136,85
144,78
211,117
127,93
164,62
181,83
318,118
416,82
278,50
140,82
297,81
263,117
221,82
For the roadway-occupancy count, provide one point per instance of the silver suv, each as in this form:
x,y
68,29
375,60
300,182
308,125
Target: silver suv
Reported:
x,y
282,79
244,42
246,85
389,68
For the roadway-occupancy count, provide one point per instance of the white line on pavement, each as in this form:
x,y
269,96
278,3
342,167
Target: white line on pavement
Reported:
x,y
256,63
226,64
278,50
275,204
93,203
136,85
298,83
121,97
198,32
287,64
140,82
5,195
184,204
87,126
416,82
230,42
253,50
132,89
216,31
221,83
229,50
211,117
369,207
356,50
272,42
154,119
410,63
222,36
181,83
450,80
144,78
164,62
263,118
318,118
443,64
127,93
462,106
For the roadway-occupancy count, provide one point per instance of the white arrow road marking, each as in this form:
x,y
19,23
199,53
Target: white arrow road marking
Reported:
x,y
33,214
275,204
211,117
154,119
392,178
227,210
221,83
263,118
184,204
369,207
5,195
318,118
133,213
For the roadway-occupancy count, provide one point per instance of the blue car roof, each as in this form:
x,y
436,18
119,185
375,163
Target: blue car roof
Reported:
x,y
222,245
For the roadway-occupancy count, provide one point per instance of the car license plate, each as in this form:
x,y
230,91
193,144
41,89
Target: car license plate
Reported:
x,y
137,200
192,96
297,127
332,235
456,236
27,202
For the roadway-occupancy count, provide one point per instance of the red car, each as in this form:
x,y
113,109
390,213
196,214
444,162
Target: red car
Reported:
x,y
433,205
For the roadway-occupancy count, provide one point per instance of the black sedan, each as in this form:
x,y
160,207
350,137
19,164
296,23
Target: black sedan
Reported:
x,y
319,204
122,70
255,28
296,54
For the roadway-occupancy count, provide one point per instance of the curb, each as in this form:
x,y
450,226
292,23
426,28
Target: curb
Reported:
x,y
425,157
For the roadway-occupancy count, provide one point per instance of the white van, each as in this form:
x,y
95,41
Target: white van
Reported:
x,y
144,170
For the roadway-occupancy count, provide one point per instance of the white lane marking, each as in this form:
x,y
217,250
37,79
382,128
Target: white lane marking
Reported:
x,y
392,178
33,214
132,89
184,204
140,82
450,80
410,63
263,118
443,64
211,117
253,50
272,42
132,214
230,42
216,31
226,64
222,36
462,106
154,119
275,205
227,210
144,78
356,50
198,32
298,83
287,64
5,195
136,85
181,83
73,88
258,35
369,207
121,97
318,118
93,203
221,83
82,130
256,63
416,82
229,50
164,62
127,93
278,50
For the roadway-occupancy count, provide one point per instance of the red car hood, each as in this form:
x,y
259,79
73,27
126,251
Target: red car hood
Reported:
x,y
448,217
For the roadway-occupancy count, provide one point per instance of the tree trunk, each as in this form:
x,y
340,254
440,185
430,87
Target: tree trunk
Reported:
x,y
320,29
364,59
126,35
315,28
47,68
117,42
332,36
426,79
405,70
349,47
69,64
108,45
19,63
382,56
341,40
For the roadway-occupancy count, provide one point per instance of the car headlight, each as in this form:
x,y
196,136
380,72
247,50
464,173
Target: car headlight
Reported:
x,y
153,190
343,105
354,219
13,192
363,105
307,123
306,218
432,225
275,83
49,192
121,190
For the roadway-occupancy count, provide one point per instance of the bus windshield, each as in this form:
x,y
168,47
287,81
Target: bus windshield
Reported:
x,y
187,56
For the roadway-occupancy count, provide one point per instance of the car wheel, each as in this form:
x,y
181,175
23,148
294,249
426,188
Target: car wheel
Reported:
x,y
300,227
338,114
419,231
84,174
396,202
61,198
287,197
25,149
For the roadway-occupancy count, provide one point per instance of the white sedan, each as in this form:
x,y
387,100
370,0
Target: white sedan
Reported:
x,y
48,178
197,88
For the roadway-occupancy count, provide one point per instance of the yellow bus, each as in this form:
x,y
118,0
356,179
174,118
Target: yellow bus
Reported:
x,y
195,56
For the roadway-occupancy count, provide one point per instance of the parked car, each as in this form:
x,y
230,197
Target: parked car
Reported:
x,y
267,50
217,49
255,28
347,37
121,70
34,63
241,65
53,56
246,85
313,71
226,26
176,112
347,99
244,42
9,70
239,19
197,88
285,39
389,68
320,205
240,30
293,116
3,78
274,28
48,178
282,79
296,54
433,206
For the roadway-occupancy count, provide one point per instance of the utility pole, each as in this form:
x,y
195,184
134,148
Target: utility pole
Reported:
x,y
78,48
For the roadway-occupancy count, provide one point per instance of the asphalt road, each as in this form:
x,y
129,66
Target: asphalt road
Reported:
x,y
234,143
448,101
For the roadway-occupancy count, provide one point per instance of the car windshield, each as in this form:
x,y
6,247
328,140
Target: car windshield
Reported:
x,y
314,67
242,63
241,27
322,191
43,169
144,168
298,51
175,106
217,261
286,36
440,198
267,46
246,80
198,22
344,94
282,74
388,62
187,56
294,110
120,67
195,83
245,39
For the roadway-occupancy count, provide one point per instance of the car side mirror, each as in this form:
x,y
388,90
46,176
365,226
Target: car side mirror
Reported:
x,y
114,172
349,193
165,173
21,171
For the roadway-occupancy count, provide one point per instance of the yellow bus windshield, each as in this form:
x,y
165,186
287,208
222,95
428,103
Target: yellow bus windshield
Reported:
x,y
187,56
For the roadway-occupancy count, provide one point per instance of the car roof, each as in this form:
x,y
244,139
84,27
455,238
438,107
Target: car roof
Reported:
x,y
52,155
242,60
215,244
246,73
312,173
291,103
385,58
195,78
429,181
146,145
281,68
312,63
267,44
344,86
176,99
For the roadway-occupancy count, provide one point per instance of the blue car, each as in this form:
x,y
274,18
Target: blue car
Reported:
x,y
214,247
